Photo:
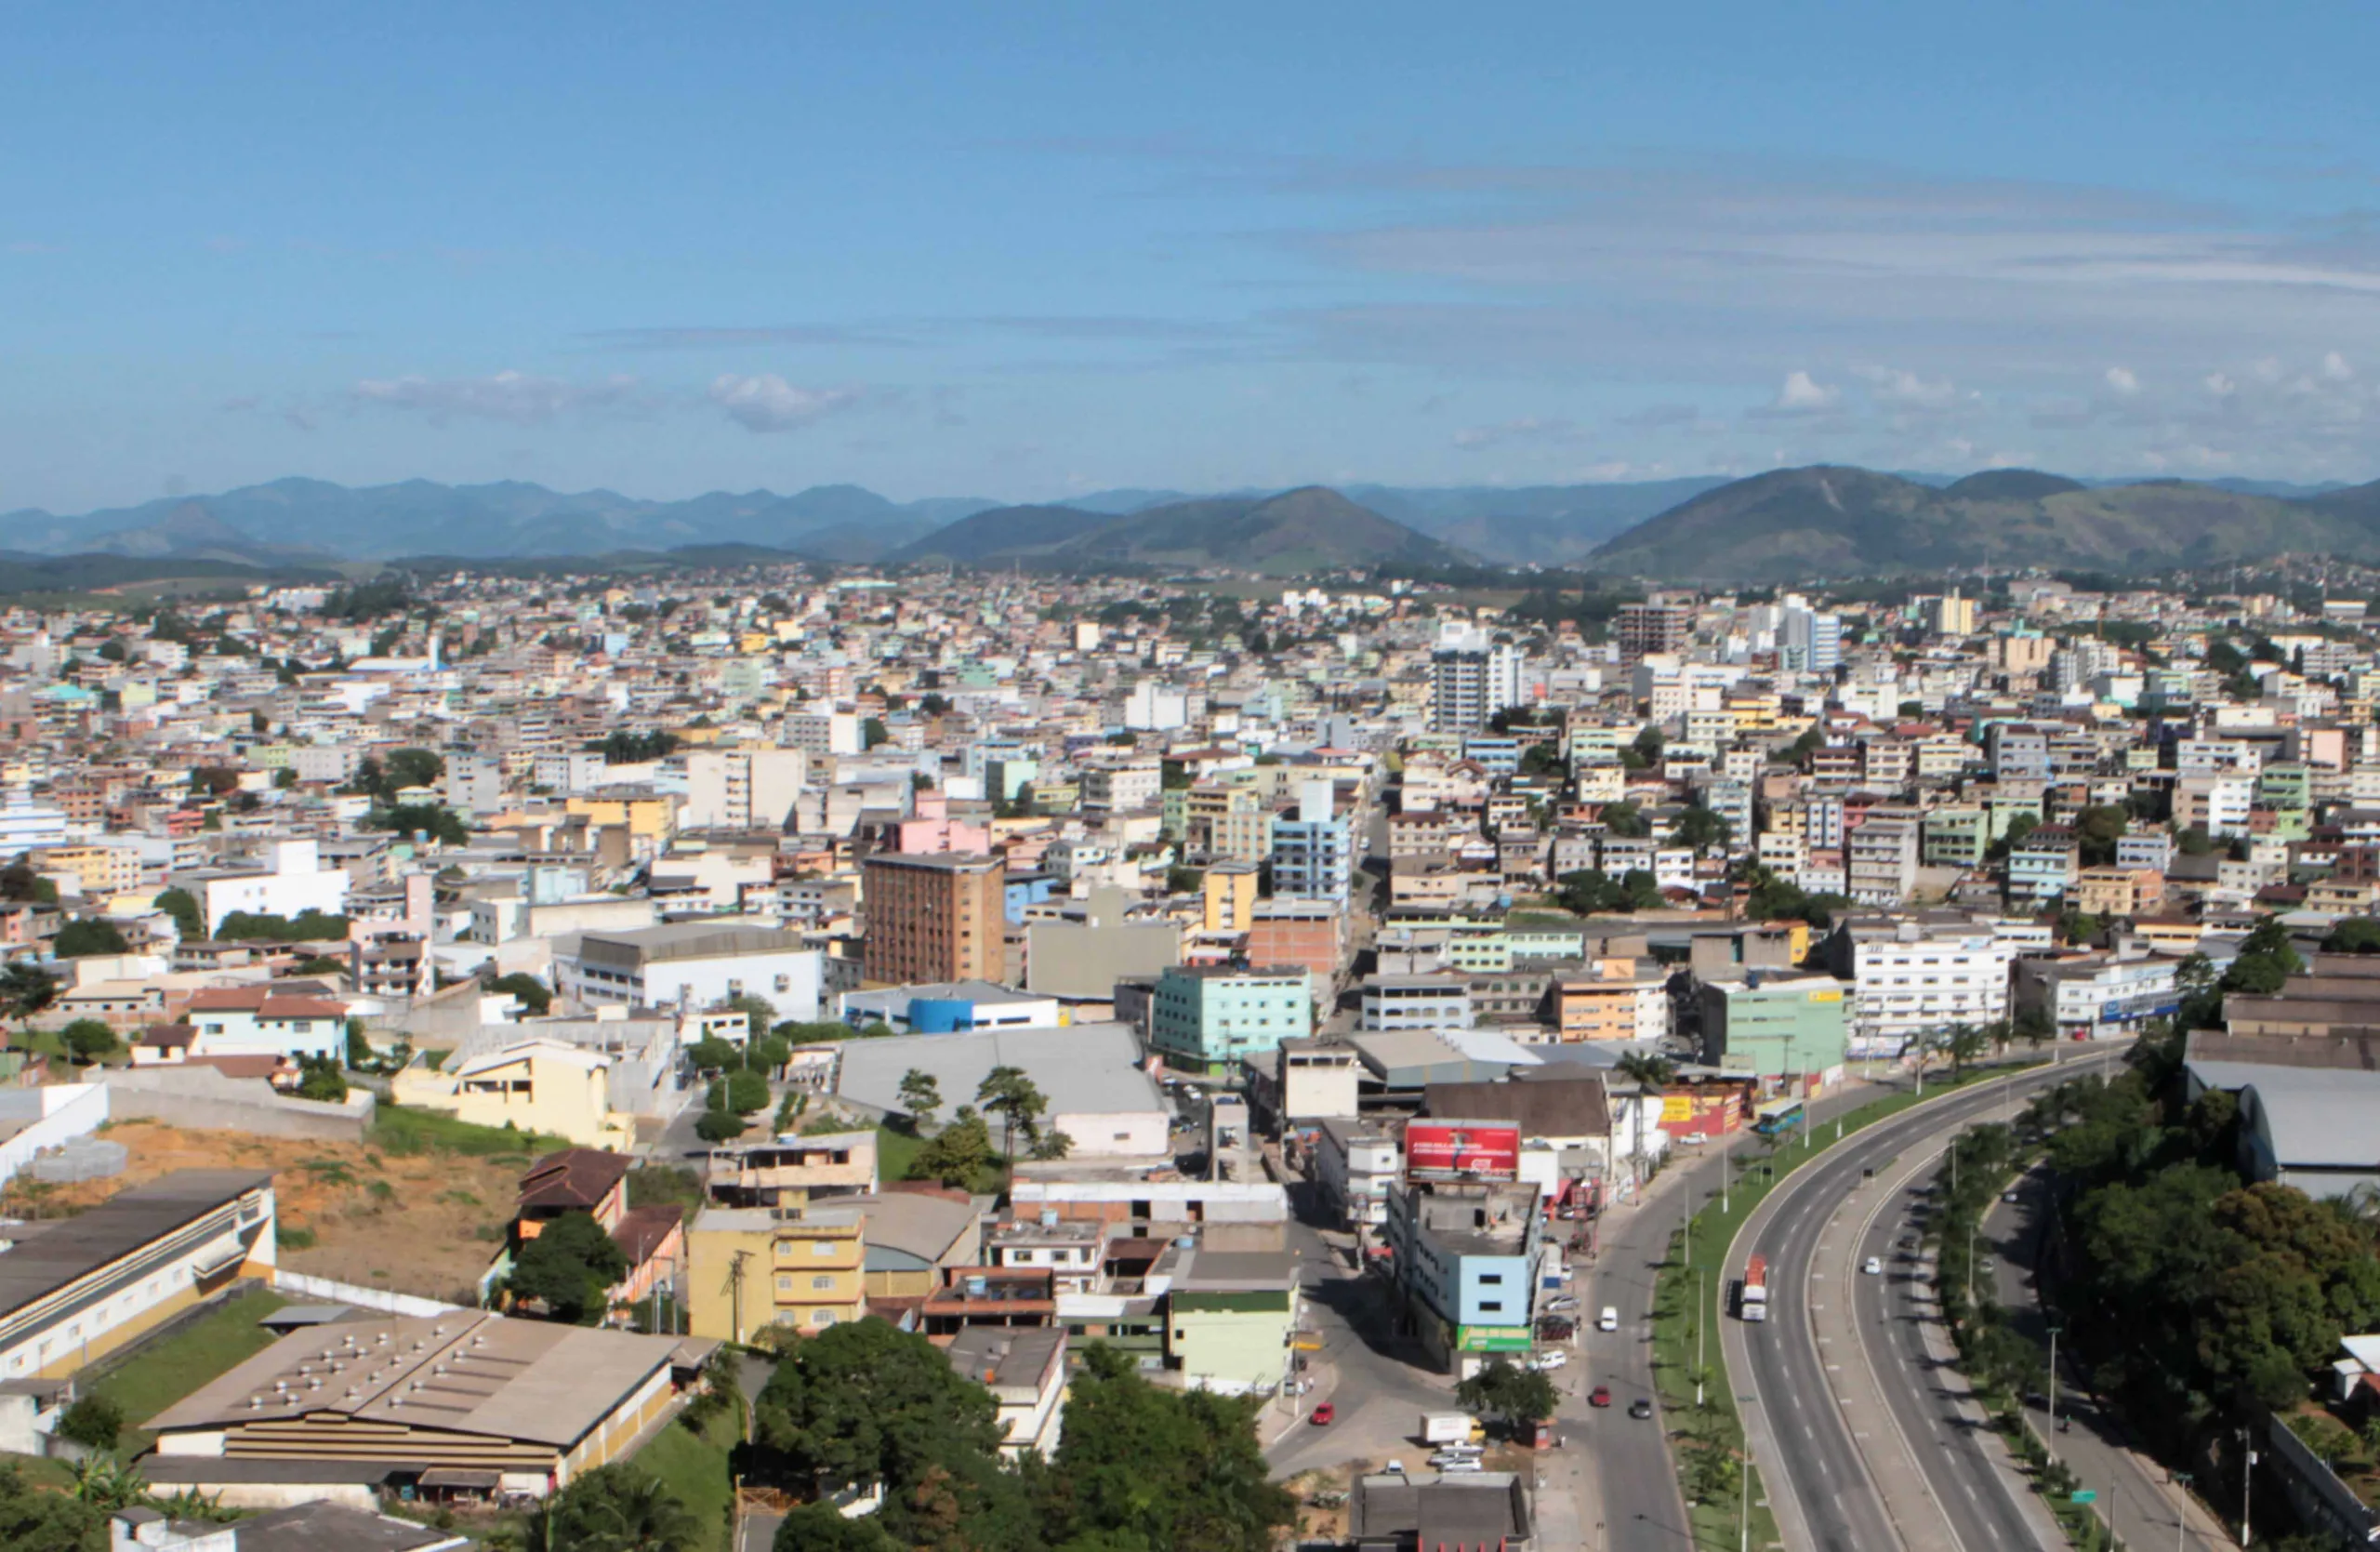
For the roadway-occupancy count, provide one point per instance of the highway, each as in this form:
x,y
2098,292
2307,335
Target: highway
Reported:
x,y
1817,1476
1636,1490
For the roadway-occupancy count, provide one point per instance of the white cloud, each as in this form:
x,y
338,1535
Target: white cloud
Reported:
x,y
768,403
1802,394
2335,369
2123,380
517,398
1901,389
2221,384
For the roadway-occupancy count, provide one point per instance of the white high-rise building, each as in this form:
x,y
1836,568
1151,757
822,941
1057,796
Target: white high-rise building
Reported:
x,y
1472,678
1808,640
743,789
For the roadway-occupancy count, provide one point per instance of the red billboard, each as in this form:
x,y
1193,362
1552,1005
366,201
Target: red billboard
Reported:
x,y
1467,1150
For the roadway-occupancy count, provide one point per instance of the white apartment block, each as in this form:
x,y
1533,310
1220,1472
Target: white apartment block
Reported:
x,y
1914,980
743,789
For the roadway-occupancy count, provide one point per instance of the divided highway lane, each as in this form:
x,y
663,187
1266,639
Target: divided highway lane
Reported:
x,y
1815,1473
1989,1503
1637,1507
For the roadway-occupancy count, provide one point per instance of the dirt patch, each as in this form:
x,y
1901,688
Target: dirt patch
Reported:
x,y
422,1223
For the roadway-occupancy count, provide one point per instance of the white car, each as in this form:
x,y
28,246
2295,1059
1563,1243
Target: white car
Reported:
x,y
1456,1467
1875,1266
1609,1318
1552,1358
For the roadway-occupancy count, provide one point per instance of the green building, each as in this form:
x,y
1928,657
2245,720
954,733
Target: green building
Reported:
x,y
1767,1026
1207,1019
1954,837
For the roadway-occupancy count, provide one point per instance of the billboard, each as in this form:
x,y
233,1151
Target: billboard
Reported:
x,y
1465,1149
1495,1339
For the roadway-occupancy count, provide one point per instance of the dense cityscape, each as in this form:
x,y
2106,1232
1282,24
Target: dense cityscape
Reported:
x,y
1293,1019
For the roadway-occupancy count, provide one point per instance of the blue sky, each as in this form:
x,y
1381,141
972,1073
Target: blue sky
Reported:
x,y
1021,250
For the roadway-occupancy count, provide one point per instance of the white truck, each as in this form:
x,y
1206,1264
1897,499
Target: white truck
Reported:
x,y
1451,1428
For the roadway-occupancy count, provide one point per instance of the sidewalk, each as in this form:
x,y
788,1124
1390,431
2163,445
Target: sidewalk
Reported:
x,y
2138,1496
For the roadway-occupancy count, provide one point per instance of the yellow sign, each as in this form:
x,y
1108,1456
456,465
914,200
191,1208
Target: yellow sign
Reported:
x,y
1676,1108
1835,996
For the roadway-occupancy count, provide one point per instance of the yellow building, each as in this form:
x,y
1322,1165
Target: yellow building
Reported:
x,y
539,1085
1229,892
650,817
752,1267
102,870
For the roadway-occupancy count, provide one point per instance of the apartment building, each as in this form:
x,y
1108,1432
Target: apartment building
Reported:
x,y
933,918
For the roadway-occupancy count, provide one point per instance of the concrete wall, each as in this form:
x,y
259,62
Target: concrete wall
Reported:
x,y
299,1286
204,1098
58,1114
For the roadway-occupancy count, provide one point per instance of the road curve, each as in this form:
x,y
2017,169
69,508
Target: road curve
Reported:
x,y
1816,1474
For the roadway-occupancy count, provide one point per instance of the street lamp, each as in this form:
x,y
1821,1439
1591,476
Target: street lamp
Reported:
x,y
2181,1515
1701,1325
2054,1330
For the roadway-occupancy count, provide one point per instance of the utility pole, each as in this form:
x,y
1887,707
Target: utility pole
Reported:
x,y
2181,1515
2054,1331
2247,1478
1701,1323
1743,1502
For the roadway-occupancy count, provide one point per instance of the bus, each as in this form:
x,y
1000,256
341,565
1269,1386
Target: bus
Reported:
x,y
1777,1121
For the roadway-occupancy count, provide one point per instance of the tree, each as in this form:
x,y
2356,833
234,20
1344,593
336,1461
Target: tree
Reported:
x,y
1647,1071
87,936
621,1507
1963,1044
873,732
1625,820
19,881
719,1126
1006,1093
306,926
864,1402
568,1267
958,1153
2353,935
434,820
182,907
1501,1390
637,749
711,1053
33,1520
411,767
822,1527
921,1096
87,1039
2098,828
321,1080
1700,829
26,990
1142,1467
93,1421
1051,1144
534,994
744,1091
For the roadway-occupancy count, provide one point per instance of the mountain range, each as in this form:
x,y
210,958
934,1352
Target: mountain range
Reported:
x,y
1783,525
1796,523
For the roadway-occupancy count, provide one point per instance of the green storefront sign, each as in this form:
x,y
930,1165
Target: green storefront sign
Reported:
x,y
1495,1339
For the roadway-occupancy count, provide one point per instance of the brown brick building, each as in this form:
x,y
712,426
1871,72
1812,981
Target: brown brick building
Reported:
x,y
934,916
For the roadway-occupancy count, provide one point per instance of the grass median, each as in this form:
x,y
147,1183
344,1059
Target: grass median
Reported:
x,y
1708,1439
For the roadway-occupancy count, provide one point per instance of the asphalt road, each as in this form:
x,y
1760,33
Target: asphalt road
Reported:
x,y
1637,1478
1814,1464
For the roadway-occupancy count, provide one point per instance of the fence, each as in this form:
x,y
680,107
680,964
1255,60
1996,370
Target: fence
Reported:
x,y
362,1298
202,1098
64,1111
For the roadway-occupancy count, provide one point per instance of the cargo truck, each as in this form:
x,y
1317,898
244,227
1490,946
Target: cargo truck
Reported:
x,y
1751,1299
1451,1428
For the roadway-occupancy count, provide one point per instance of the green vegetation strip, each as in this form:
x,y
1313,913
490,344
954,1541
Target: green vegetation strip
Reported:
x,y
155,1376
406,1129
1711,1454
693,1464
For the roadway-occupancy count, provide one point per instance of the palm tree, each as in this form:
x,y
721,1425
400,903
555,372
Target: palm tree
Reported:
x,y
1652,1074
1009,1093
620,1509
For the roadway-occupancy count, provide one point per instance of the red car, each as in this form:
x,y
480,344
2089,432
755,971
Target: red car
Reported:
x,y
1326,1411
1599,1397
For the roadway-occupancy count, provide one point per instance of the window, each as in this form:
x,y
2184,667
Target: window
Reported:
x,y
1492,1306
784,1285
822,1247
818,1282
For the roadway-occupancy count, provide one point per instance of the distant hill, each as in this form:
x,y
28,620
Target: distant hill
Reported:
x,y
1288,534
1529,524
506,518
1834,522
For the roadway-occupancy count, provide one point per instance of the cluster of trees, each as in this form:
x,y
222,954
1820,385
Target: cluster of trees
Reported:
x,y
1771,899
625,748
435,820
962,1152
1139,1467
308,926
20,883
2203,1298
87,936
382,780
1590,892
741,1089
